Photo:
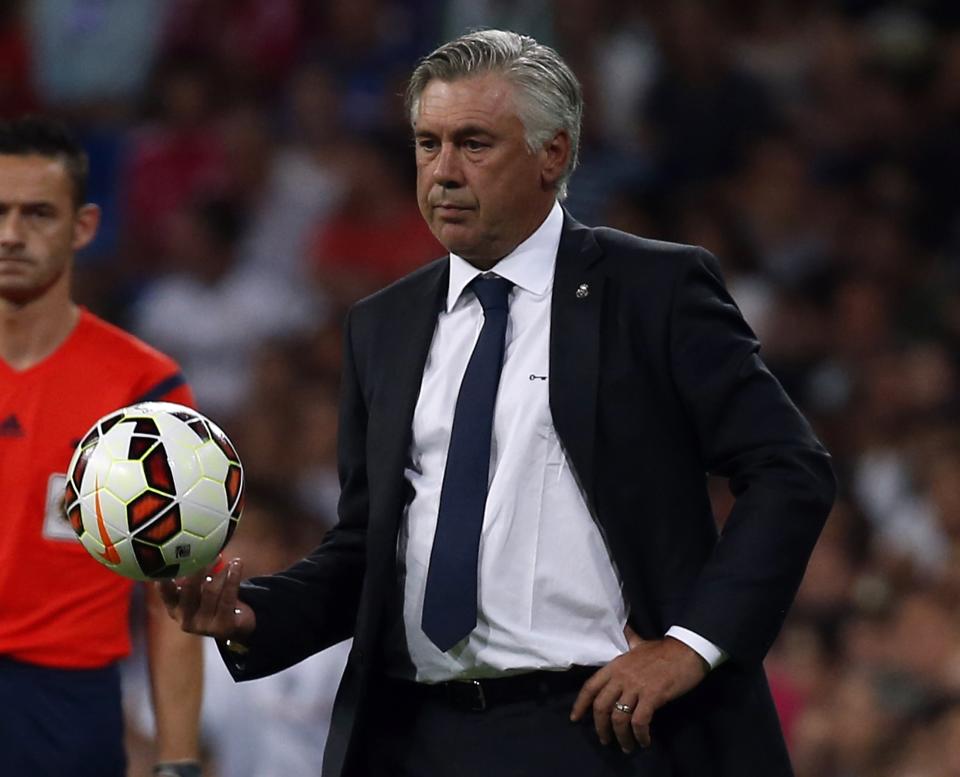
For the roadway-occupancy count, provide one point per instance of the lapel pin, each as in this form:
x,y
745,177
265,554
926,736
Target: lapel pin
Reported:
x,y
583,290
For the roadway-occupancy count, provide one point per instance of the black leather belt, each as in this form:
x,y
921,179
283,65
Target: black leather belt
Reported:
x,y
479,695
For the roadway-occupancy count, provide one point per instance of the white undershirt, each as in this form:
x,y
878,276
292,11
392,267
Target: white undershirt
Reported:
x,y
549,593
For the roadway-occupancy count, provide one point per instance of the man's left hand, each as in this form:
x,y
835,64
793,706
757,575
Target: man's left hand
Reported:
x,y
650,674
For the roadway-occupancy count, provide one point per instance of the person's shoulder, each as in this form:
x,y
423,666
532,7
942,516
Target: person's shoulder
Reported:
x,y
654,254
108,342
656,265
404,291
128,363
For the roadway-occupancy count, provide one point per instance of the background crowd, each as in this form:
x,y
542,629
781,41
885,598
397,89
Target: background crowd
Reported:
x,y
255,168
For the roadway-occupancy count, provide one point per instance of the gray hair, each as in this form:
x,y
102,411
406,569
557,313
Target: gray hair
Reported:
x,y
548,93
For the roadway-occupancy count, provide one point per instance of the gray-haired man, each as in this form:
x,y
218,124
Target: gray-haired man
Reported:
x,y
526,554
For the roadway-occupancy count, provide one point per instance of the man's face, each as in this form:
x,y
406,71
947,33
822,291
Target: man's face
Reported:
x,y
480,188
40,226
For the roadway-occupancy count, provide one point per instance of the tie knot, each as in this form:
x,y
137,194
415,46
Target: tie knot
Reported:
x,y
491,291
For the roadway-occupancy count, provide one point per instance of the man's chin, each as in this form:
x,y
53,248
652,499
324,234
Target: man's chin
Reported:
x,y
454,238
20,291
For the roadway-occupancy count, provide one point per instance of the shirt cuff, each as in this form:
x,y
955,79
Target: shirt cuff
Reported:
x,y
709,652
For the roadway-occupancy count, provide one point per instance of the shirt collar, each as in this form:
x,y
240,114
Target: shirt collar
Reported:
x,y
530,265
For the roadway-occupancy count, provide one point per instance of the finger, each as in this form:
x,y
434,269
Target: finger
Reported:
x,y
640,724
170,596
210,591
602,709
588,693
234,617
189,601
642,735
621,722
234,573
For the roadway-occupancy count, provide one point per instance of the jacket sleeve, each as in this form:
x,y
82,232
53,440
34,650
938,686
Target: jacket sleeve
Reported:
x,y
313,604
750,432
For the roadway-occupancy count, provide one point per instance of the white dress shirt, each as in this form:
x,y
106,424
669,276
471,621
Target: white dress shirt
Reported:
x,y
549,594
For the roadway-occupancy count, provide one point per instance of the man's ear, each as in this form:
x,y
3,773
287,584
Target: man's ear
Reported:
x,y
86,221
556,155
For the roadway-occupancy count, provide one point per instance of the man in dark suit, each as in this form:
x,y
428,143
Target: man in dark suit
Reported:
x,y
526,555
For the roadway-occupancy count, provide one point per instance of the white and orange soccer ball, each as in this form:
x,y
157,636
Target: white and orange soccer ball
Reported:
x,y
154,490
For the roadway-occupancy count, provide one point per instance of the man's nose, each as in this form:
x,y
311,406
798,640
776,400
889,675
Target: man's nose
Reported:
x,y
11,230
446,168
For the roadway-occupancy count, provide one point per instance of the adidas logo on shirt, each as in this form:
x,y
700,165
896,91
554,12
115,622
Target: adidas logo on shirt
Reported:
x,y
10,427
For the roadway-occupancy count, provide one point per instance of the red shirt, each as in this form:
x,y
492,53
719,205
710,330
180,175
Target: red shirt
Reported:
x,y
58,606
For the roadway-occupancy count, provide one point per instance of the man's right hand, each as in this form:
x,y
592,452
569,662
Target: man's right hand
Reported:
x,y
207,603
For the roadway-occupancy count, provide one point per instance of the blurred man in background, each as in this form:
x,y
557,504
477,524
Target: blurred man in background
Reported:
x,y
63,617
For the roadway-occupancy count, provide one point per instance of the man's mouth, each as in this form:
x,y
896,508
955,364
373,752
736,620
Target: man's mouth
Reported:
x,y
450,207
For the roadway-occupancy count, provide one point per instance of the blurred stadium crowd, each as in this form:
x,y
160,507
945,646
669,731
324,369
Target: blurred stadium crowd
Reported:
x,y
255,168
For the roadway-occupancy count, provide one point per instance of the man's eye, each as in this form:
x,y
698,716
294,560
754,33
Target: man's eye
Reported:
x,y
474,145
425,144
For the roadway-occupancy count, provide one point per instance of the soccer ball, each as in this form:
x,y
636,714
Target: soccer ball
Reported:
x,y
154,490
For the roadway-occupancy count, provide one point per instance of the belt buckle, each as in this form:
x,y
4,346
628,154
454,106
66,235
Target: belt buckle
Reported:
x,y
479,700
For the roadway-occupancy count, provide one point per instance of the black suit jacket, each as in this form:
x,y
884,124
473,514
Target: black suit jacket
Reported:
x,y
655,381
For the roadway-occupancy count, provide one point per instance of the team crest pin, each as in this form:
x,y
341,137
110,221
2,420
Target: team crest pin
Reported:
x,y
583,290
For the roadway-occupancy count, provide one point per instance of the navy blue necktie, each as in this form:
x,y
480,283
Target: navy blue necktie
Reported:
x,y
450,601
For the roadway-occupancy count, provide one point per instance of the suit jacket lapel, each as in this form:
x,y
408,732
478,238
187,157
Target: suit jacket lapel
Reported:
x,y
402,355
575,347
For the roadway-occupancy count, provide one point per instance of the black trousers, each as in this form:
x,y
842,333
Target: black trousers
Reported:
x,y
416,734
